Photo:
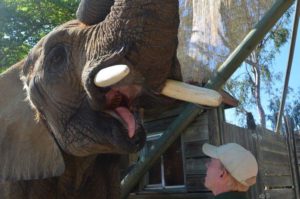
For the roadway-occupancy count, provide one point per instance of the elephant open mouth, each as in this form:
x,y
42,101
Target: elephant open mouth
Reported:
x,y
121,89
110,94
120,105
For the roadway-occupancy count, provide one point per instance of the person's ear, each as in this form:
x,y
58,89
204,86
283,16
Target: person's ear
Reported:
x,y
224,173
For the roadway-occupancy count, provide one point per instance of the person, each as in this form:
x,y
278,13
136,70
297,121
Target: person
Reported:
x,y
231,170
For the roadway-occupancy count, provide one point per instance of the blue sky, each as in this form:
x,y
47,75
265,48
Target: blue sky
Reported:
x,y
281,62
280,65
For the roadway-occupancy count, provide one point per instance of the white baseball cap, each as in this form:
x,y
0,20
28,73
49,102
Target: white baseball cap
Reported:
x,y
238,161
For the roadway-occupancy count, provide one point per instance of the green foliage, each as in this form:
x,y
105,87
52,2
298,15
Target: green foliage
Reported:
x,y
257,76
279,36
24,22
291,108
295,114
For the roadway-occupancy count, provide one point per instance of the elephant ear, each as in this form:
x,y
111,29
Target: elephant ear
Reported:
x,y
27,150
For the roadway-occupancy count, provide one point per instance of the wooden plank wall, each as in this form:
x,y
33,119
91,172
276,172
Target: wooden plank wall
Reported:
x,y
275,176
192,140
204,129
245,138
297,139
194,160
274,179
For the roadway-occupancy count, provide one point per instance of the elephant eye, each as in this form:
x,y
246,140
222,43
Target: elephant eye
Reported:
x,y
57,59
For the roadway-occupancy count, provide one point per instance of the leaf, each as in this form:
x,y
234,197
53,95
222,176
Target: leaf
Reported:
x,y
24,9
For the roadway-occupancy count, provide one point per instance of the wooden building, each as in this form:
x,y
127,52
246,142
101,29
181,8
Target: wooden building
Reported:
x,y
180,171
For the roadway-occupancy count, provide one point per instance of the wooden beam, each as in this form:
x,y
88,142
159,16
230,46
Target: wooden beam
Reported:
x,y
191,110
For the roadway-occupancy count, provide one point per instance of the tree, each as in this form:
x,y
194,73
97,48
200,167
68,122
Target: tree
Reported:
x,y
196,39
211,30
184,34
292,108
258,75
24,22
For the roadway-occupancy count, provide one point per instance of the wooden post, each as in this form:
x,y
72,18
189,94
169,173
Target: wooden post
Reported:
x,y
255,144
293,155
221,118
191,111
214,127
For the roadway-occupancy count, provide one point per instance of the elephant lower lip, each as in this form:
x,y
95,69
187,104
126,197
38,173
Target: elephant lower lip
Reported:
x,y
123,115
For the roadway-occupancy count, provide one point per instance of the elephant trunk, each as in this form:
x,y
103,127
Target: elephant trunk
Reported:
x,y
148,32
93,11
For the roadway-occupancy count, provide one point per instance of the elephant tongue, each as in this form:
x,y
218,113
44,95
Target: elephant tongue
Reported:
x,y
127,117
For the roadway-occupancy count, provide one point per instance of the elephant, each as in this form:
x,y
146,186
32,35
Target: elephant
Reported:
x,y
61,135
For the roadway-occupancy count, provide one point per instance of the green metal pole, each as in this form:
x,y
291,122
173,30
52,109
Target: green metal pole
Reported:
x,y
191,111
288,68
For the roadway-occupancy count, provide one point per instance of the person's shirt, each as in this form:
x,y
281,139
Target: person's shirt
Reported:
x,y
232,195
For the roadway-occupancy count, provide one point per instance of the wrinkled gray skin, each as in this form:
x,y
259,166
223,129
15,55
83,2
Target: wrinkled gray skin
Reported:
x,y
60,141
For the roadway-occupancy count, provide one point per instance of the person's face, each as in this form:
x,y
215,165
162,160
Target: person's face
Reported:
x,y
213,173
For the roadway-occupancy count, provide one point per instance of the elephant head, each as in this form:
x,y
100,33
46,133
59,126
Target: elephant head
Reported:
x,y
69,113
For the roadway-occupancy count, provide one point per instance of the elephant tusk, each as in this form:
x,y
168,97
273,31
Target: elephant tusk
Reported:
x,y
189,93
111,75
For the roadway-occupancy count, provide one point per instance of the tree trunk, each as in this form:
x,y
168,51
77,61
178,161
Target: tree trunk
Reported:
x,y
257,89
